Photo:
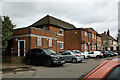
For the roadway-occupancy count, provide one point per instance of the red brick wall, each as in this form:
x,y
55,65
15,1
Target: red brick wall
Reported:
x,y
93,39
59,37
72,40
45,43
21,31
99,42
14,44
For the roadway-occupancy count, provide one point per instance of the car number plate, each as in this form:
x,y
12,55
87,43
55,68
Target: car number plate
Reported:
x,y
62,61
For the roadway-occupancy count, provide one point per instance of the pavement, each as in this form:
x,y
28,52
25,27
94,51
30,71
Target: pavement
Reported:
x,y
68,70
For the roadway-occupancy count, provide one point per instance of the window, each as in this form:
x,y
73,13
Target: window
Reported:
x,y
39,41
81,46
91,52
50,42
61,45
89,47
89,34
92,46
114,74
61,31
44,28
92,35
81,32
95,47
85,47
85,33
66,53
95,36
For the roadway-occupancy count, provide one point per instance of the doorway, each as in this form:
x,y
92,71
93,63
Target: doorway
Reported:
x,y
21,47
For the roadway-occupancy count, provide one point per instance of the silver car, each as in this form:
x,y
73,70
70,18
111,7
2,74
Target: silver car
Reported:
x,y
72,56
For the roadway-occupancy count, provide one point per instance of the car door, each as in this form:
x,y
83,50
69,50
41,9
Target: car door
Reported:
x,y
91,54
37,56
67,55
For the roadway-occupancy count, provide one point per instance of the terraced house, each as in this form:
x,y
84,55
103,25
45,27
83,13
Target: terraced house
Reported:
x,y
54,34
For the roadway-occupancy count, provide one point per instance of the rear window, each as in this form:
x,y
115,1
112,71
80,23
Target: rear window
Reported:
x,y
114,74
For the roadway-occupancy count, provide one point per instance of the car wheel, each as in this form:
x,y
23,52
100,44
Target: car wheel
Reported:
x,y
48,63
88,56
97,57
28,61
74,60
80,61
84,57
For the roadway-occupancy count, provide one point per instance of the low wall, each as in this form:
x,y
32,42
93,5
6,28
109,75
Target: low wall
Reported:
x,y
14,59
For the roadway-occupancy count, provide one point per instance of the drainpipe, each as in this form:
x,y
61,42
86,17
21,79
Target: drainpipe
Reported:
x,y
29,38
56,41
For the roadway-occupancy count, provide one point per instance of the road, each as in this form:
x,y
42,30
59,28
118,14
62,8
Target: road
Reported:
x,y
68,70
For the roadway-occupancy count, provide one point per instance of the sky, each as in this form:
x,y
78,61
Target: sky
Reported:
x,y
100,15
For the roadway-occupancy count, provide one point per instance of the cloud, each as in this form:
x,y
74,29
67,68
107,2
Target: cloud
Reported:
x,y
99,15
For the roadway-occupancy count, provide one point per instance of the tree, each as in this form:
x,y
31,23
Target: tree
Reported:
x,y
7,31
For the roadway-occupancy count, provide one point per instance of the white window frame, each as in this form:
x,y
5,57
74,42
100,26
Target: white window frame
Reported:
x,y
92,47
39,41
62,45
62,31
93,36
81,46
85,33
89,34
95,47
50,42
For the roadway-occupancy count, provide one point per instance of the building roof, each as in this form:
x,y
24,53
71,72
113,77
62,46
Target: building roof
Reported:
x,y
79,29
91,29
53,21
106,37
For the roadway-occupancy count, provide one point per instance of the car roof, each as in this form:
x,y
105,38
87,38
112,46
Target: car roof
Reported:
x,y
103,69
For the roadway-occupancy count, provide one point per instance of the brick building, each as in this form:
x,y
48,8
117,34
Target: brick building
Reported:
x,y
83,39
96,41
54,34
45,33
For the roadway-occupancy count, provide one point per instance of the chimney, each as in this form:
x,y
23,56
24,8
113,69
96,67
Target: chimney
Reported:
x,y
104,32
108,32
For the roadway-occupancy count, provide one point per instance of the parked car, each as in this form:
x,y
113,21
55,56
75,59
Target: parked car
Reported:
x,y
115,54
46,57
79,52
107,70
110,54
95,54
104,53
72,56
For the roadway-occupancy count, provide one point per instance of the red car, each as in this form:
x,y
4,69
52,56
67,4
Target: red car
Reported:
x,y
107,70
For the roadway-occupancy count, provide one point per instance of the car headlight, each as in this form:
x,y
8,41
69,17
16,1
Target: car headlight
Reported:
x,y
56,58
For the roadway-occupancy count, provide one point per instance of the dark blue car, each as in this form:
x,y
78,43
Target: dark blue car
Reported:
x,y
110,53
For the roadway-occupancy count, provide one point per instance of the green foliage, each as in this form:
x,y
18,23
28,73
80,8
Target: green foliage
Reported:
x,y
7,31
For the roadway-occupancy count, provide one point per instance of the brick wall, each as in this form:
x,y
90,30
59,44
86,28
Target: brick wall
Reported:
x,y
72,40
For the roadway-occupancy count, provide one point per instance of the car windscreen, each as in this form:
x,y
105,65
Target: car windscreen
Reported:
x,y
49,51
114,74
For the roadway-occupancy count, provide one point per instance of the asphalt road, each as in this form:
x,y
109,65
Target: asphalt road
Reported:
x,y
68,70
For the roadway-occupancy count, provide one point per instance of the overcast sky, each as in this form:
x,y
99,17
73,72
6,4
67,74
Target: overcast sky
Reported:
x,y
101,16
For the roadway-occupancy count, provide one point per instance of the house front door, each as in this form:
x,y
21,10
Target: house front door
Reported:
x,y
21,48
